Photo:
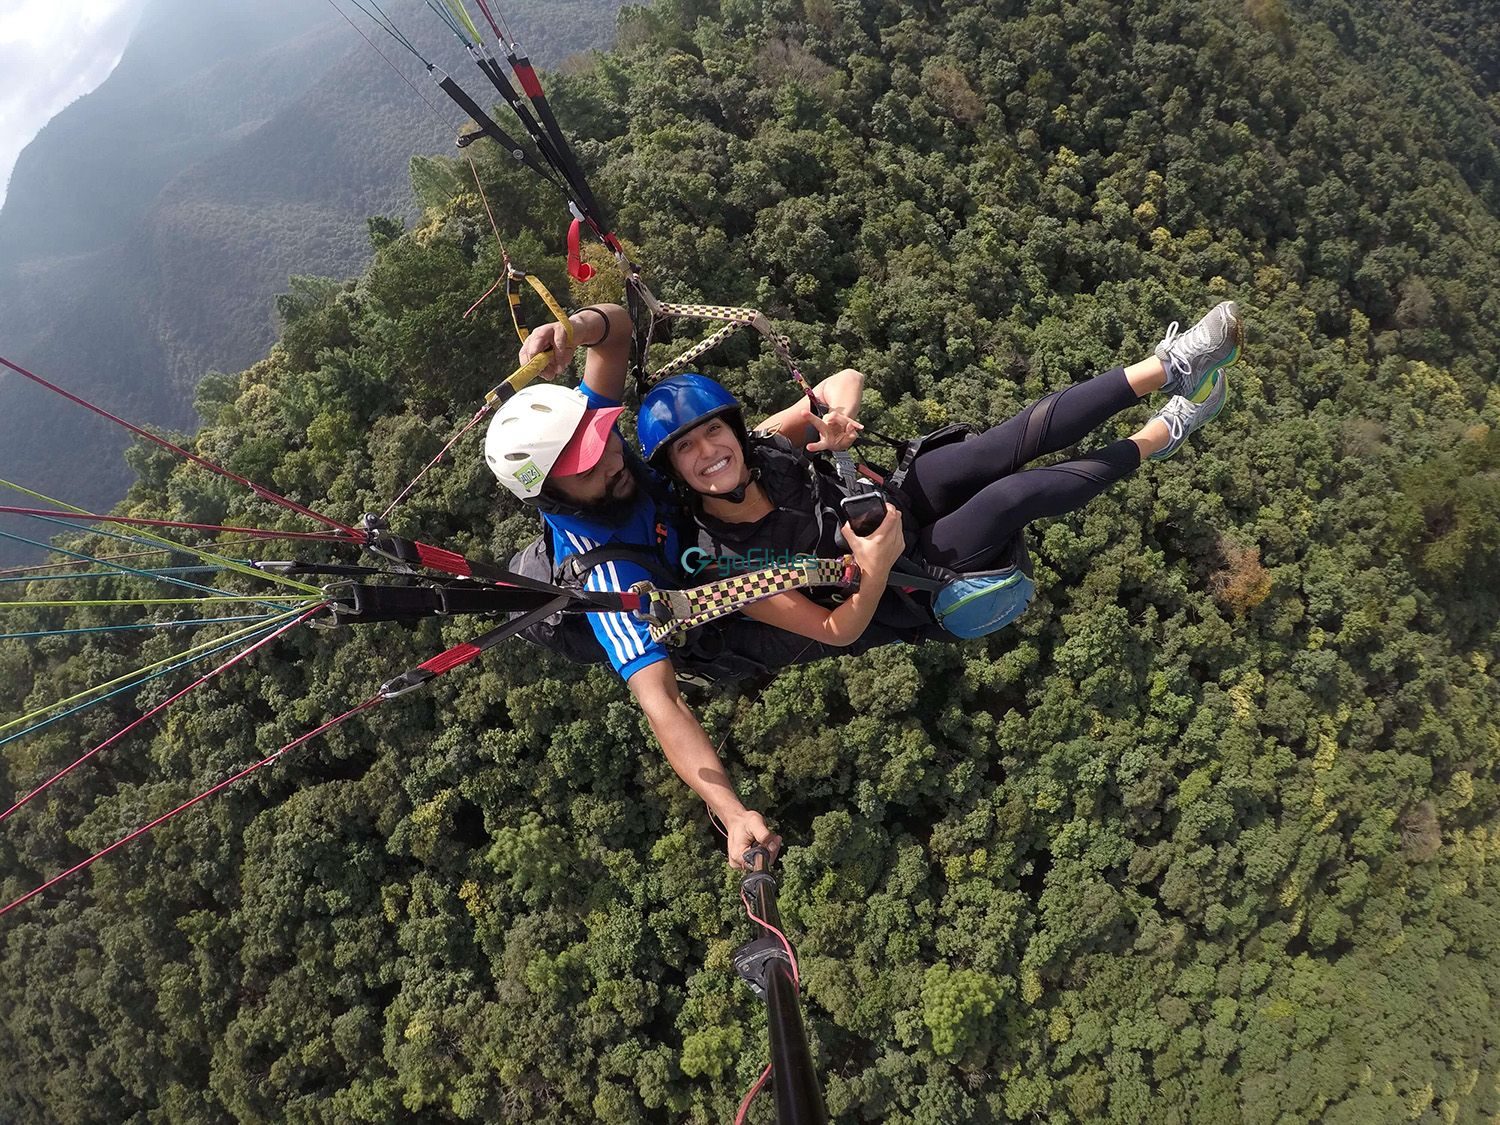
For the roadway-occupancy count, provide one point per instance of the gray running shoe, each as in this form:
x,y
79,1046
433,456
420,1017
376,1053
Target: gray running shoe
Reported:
x,y
1208,346
1183,416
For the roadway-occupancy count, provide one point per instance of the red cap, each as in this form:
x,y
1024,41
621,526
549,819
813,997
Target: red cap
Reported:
x,y
587,444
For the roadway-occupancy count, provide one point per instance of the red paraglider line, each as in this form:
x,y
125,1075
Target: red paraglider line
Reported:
x,y
207,793
160,707
259,490
739,1118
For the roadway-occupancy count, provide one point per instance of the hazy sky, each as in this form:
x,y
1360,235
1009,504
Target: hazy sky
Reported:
x,y
52,51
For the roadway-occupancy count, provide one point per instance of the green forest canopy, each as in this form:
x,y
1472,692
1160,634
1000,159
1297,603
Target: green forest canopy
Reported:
x,y
1206,837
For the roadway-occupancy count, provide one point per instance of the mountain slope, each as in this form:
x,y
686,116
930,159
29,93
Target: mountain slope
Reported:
x,y
1209,835
150,226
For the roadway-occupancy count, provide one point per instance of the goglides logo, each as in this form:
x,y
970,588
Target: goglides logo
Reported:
x,y
696,561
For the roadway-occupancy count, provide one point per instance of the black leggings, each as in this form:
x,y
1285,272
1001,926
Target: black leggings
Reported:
x,y
971,498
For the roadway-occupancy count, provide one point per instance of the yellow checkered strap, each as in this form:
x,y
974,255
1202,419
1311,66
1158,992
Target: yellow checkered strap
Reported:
x,y
678,364
737,318
671,613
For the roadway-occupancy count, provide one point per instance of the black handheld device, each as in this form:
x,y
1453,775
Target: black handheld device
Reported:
x,y
863,512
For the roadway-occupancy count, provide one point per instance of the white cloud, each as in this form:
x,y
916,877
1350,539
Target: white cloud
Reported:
x,y
52,53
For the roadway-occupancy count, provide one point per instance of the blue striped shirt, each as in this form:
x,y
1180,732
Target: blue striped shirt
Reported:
x,y
625,639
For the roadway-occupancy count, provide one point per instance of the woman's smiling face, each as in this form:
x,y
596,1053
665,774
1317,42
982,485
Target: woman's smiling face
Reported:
x,y
709,458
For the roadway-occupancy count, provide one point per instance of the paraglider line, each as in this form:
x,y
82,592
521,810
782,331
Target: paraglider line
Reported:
x,y
787,945
376,48
163,573
259,490
134,521
158,575
160,707
474,421
148,539
739,1118
207,793
138,625
134,678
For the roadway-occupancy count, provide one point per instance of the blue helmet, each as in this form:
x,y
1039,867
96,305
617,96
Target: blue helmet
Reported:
x,y
674,406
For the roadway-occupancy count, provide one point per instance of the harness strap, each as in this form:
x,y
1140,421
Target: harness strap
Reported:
x,y
575,569
470,650
359,603
912,575
670,613
410,553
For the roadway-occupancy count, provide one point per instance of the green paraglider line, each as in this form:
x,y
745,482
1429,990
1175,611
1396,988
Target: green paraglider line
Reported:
x,y
130,679
132,686
159,575
446,15
151,537
261,642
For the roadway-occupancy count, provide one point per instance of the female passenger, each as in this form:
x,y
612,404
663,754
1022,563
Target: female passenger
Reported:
x,y
962,505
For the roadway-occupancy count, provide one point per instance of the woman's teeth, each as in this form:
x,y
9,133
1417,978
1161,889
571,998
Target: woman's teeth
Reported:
x,y
716,466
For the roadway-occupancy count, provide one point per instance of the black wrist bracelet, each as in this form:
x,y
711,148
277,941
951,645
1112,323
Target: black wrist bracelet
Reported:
x,y
602,316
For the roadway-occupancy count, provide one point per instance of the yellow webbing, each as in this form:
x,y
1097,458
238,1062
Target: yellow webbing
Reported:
x,y
535,365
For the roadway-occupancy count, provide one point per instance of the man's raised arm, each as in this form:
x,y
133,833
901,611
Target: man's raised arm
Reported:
x,y
602,329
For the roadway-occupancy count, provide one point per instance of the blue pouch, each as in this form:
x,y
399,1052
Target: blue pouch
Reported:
x,y
978,604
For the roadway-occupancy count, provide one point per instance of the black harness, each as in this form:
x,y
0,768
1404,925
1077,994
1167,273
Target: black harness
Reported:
x,y
723,651
806,518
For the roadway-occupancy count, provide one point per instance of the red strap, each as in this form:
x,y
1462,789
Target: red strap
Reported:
x,y
446,661
439,559
527,77
580,269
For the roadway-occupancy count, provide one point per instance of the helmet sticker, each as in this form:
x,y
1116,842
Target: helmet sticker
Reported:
x,y
528,475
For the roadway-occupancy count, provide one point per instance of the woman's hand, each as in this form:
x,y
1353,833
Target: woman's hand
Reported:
x,y
877,552
836,431
550,337
746,830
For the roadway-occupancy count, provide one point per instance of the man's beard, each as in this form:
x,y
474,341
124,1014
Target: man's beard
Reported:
x,y
618,503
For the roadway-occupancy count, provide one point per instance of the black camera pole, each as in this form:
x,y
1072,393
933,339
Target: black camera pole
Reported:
x,y
766,966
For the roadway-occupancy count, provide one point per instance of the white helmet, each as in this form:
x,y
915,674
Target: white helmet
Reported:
x,y
528,434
